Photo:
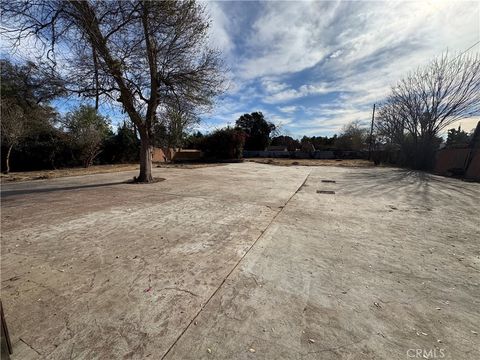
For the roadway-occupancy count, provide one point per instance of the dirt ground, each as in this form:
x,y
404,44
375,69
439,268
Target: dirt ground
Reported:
x,y
96,169
313,162
52,174
243,261
102,169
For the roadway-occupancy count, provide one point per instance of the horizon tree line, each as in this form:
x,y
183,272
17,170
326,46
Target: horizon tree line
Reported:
x,y
152,59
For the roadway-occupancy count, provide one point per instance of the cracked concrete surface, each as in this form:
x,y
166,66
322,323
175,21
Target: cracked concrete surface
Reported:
x,y
242,261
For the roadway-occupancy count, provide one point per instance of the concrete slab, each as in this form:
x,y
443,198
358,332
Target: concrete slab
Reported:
x,y
387,268
243,261
109,271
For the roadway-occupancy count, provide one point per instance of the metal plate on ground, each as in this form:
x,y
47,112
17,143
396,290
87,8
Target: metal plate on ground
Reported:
x,y
325,192
329,181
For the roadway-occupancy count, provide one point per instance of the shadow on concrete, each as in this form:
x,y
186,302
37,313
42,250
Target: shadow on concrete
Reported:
x,y
13,192
411,184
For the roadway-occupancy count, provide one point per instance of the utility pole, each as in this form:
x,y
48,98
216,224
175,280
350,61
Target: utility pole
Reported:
x,y
371,135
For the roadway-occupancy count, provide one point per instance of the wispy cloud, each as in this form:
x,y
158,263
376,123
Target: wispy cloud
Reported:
x,y
324,64
288,109
315,65
288,94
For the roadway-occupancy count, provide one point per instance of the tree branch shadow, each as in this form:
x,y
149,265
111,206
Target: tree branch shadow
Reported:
x,y
8,193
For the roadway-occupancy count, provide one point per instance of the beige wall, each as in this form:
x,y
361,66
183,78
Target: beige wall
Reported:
x,y
448,159
165,155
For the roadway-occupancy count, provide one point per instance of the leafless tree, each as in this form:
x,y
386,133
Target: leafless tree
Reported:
x,y
13,125
141,54
87,131
428,100
352,137
176,119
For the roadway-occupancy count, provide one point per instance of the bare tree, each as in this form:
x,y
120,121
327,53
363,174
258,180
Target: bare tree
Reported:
x,y
352,137
427,101
176,119
13,127
87,131
139,53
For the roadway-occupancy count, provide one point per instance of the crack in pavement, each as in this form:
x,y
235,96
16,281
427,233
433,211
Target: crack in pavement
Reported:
x,y
178,289
30,346
235,267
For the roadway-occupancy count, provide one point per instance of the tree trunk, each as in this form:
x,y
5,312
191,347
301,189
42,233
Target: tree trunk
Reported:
x,y
7,160
146,150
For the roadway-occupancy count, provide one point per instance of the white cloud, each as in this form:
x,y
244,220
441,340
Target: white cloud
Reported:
x,y
219,36
288,109
332,119
394,37
284,39
273,87
335,54
282,53
288,94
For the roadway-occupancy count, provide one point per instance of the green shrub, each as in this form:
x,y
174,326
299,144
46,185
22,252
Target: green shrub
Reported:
x,y
226,143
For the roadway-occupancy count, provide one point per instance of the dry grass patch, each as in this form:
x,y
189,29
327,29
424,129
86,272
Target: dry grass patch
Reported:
x,y
314,162
51,174
96,169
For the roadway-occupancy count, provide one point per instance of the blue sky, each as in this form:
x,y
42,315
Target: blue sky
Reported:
x,y
313,66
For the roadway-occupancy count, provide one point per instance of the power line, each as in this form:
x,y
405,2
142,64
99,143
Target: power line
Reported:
x,y
478,42
471,47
